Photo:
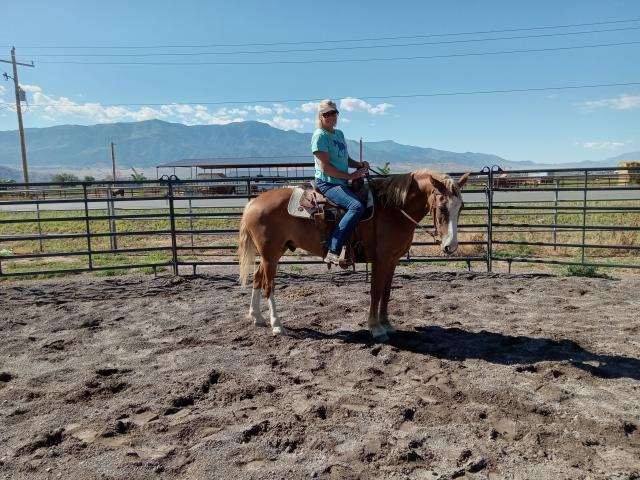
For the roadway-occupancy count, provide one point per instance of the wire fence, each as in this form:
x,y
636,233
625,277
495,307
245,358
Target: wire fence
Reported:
x,y
588,217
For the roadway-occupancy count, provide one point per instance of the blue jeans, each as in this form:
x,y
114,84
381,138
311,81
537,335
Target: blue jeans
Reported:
x,y
344,197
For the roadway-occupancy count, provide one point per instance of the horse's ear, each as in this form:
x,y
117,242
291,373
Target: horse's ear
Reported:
x,y
463,179
440,186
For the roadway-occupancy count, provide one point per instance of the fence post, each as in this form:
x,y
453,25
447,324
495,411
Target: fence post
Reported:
x,y
489,194
86,221
191,222
555,216
584,213
172,221
111,211
39,223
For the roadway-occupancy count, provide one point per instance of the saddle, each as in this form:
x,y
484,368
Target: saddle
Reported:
x,y
307,202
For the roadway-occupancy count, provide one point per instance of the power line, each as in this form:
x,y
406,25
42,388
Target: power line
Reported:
x,y
367,97
359,47
300,42
355,60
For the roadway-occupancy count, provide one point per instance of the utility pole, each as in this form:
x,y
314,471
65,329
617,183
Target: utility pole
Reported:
x,y
25,170
113,160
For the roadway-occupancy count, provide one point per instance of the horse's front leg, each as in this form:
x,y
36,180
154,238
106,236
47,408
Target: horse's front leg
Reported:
x,y
383,316
378,279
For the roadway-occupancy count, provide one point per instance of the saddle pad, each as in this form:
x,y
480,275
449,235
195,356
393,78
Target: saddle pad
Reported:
x,y
295,209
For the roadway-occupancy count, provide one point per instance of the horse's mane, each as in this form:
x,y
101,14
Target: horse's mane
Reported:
x,y
393,190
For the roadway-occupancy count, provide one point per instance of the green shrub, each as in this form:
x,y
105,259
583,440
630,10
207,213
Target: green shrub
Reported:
x,y
584,271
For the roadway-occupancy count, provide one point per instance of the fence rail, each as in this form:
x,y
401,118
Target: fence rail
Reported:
x,y
525,216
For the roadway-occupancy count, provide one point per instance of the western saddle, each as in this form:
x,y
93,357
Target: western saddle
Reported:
x,y
307,202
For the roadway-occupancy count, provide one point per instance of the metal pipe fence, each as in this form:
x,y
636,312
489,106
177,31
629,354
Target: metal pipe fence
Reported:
x,y
524,216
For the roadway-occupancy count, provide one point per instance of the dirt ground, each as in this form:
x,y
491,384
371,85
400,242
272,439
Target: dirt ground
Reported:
x,y
489,376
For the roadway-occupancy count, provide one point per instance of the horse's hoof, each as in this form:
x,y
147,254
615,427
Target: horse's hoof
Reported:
x,y
379,335
277,331
388,328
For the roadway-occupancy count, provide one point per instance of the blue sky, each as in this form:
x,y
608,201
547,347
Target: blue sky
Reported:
x,y
543,126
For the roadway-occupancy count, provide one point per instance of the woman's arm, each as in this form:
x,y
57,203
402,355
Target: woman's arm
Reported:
x,y
356,164
326,167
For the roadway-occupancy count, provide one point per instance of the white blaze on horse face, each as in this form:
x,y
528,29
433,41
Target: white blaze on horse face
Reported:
x,y
450,241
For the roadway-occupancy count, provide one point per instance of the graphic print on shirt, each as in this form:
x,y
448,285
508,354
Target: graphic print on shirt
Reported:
x,y
341,146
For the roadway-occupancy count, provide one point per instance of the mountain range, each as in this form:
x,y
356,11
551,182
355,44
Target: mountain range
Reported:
x,y
150,143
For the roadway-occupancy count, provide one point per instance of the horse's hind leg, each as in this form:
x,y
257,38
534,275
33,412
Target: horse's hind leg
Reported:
x,y
268,283
384,303
254,309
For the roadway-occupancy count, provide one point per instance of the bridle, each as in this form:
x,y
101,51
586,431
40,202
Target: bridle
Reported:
x,y
435,233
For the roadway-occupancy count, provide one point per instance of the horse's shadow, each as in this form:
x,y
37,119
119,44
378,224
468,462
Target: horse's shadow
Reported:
x,y
458,344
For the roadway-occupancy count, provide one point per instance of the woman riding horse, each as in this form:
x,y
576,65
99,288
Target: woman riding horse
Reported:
x,y
401,202
332,161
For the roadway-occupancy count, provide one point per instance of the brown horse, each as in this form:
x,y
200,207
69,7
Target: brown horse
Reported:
x,y
401,202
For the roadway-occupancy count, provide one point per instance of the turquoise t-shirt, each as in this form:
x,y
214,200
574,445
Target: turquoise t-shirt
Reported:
x,y
336,146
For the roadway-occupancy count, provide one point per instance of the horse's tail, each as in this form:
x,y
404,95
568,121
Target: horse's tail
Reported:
x,y
246,249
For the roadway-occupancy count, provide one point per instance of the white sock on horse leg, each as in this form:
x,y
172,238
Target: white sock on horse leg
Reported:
x,y
254,309
276,324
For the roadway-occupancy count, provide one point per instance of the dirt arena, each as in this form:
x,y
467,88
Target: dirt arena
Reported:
x,y
489,376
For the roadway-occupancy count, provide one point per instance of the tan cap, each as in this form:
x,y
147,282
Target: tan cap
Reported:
x,y
327,106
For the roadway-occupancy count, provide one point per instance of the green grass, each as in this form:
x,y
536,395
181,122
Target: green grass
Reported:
x,y
584,271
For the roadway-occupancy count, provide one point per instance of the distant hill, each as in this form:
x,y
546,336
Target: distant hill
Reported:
x,y
150,143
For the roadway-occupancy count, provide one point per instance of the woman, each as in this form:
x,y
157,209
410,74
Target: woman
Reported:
x,y
332,173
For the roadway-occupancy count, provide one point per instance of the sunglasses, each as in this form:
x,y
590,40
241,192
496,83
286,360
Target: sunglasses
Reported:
x,y
330,114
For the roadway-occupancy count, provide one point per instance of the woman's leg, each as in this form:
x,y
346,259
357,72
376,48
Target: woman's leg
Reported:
x,y
344,197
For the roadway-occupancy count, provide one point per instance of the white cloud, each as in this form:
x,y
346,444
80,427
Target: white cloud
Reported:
x,y
351,104
309,107
259,109
622,102
53,109
285,123
174,108
281,109
605,145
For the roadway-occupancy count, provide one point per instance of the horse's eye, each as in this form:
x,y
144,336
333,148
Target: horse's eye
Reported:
x,y
443,207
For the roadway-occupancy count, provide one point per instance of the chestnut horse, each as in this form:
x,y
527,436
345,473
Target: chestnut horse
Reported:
x,y
401,202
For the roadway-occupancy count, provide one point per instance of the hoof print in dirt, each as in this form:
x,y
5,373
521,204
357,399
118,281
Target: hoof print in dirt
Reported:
x,y
47,440
629,428
5,377
106,372
120,427
55,345
254,431
526,368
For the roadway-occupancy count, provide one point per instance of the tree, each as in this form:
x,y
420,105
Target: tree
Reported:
x,y
137,176
64,177
89,178
7,180
385,169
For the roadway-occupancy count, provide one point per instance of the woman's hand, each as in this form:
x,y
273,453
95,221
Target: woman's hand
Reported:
x,y
361,172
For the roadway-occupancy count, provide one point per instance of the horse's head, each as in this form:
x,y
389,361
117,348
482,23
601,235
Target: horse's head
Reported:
x,y
445,203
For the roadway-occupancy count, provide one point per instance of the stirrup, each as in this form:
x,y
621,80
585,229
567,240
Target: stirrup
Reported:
x,y
343,261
